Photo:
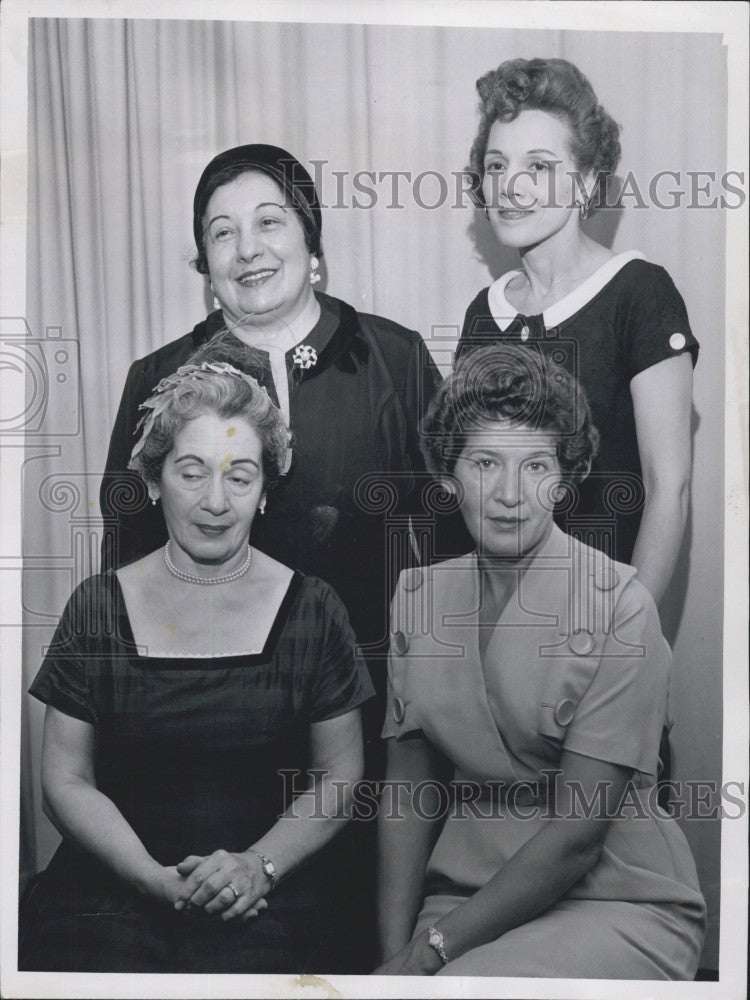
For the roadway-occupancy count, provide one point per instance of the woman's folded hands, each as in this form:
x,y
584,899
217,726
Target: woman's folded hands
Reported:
x,y
417,958
223,884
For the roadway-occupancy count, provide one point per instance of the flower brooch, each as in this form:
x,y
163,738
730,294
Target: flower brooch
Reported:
x,y
305,356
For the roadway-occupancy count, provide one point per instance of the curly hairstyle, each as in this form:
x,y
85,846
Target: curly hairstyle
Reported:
x,y
224,394
559,88
514,384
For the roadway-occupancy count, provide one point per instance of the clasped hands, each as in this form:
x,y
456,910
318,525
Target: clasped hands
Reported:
x,y
416,958
203,883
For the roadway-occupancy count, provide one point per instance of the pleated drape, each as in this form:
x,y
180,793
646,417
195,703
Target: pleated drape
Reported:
x,y
124,115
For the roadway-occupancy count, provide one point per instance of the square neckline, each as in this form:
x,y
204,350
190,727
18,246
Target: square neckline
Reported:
x,y
198,661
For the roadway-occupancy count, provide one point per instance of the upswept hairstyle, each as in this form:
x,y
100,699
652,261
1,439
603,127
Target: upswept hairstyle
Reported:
x,y
198,389
559,88
515,384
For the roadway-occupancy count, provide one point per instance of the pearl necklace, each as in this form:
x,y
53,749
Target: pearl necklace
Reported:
x,y
207,581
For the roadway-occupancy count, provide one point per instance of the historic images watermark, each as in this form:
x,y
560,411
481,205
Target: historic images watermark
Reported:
x,y
525,800
44,367
433,189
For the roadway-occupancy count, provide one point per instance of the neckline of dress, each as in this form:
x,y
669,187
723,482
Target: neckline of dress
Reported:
x,y
557,548
503,313
179,660
551,549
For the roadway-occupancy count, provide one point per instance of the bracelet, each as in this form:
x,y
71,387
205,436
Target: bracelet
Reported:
x,y
267,867
436,940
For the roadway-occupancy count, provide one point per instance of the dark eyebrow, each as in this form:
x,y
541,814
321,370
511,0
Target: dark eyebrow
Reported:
x,y
263,204
492,451
199,460
530,152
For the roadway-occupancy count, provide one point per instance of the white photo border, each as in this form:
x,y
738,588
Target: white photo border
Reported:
x,y
729,18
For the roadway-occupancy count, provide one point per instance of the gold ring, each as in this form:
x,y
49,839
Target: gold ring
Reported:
x,y
232,889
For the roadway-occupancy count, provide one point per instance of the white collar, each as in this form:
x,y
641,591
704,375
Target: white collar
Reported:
x,y
504,313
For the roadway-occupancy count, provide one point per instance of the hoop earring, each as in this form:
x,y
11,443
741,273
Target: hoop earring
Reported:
x,y
314,265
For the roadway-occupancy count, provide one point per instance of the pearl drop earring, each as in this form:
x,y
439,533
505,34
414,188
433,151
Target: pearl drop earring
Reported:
x,y
314,265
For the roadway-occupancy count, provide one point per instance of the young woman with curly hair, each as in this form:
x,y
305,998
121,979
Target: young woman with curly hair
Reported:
x,y
540,161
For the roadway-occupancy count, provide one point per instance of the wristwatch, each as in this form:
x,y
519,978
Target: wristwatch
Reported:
x,y
435,940
267,867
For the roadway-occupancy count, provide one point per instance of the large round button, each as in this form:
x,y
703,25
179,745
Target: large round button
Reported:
x,y
564,712
413,579
400,643
606,578
398,710
677,341
581,643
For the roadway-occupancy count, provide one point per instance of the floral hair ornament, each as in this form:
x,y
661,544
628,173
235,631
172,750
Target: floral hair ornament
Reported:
x,y
163,395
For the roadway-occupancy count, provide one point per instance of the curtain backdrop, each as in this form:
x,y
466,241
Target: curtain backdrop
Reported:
x,y
124,115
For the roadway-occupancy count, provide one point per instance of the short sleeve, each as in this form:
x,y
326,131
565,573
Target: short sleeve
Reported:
x,y
653,320
620,717
341,681
62,679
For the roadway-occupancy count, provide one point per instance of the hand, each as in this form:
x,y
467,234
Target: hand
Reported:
x,y
416,959
207,880
166,884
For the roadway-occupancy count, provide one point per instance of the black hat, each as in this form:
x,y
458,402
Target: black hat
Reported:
x,y
287,171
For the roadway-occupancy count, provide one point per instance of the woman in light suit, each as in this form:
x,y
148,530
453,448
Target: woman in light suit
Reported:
x,y
527,692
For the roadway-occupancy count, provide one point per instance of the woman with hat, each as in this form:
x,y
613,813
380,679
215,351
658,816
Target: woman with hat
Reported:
x,y
191,697
352,387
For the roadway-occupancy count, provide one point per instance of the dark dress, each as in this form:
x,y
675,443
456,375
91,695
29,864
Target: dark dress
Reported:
x,y
354,509
354,414
622,320
193,751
